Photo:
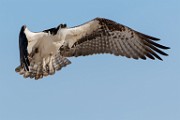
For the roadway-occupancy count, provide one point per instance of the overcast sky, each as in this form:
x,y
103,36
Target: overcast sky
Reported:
x,y
102,87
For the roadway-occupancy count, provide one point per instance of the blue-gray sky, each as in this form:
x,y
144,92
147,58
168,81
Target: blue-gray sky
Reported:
x,y
102,87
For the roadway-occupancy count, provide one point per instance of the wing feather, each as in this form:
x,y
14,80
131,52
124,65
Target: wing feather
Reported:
x,y
107,36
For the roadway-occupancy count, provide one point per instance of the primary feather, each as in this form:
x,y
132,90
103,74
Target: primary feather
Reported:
x,y
45,52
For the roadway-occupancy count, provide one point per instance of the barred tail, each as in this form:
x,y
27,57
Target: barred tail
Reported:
x,y
48,66
59,62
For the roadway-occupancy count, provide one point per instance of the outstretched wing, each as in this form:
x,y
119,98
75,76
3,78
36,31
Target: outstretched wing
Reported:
x,y
105,36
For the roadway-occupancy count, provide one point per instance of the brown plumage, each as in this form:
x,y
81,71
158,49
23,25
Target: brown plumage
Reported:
x,y
47,50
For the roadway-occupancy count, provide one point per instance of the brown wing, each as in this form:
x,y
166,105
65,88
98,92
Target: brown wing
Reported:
x,y
114,38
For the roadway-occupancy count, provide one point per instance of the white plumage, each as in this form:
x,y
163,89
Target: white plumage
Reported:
x,y
45,52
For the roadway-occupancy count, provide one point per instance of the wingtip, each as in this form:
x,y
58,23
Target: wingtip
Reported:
x,y
153,38
24,26
168,47
17,69
160,59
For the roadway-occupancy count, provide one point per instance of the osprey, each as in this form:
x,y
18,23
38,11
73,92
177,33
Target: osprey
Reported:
x,y
44,53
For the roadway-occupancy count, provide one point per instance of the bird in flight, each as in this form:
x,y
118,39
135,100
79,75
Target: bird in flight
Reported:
x,y
44,53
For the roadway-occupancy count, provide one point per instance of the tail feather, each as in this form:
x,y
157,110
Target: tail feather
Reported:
x,y
44,68
59,62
